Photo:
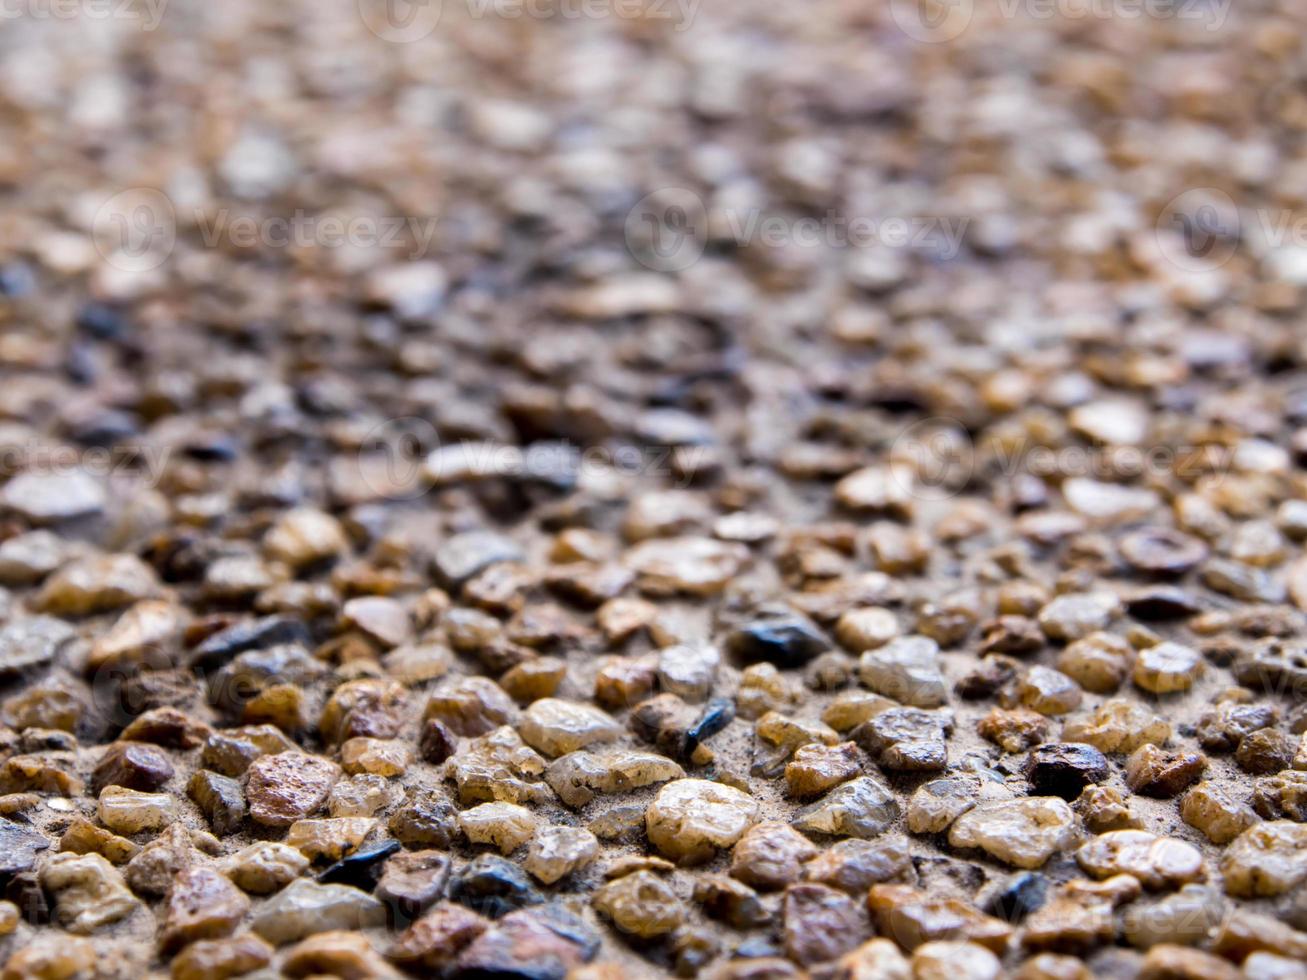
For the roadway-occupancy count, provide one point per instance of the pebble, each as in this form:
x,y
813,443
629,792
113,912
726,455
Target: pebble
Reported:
x,y
687,565
862,807
471,706
954,961
816,768
1151,771
555,852
212,959
96,584
19,846
1223,727
1073,617
305,536
1242,582
911,918
640,904
52,957
689,819
330,838
1266,751
907,739
1105,808
30,644
907,670
1267,859
133,765
819,923
28,558
1119,726
434,941
361,867
152,870
410,881
545,944
1048,691
305,907
1014,730
1108,503
1099,663
783,637
577,777
688,671
1162,551
50,498
288,786
83,837
1166,960
426,819
1282,796
201,905
127,811
859,630
264,867
555,726
506,826
934,806
1158,862
493,886
1023,832
1217,811
1187,917
1064,769
854,865
384,757
1167,668
1018,897
770,856
337,953
384,620
89,892
149,632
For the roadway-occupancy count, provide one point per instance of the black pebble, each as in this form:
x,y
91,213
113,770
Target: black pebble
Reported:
x,y
1064,768
785,639
361,869
1018,897
493,886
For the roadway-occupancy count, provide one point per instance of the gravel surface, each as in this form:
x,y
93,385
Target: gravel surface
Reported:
x,y
625,488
